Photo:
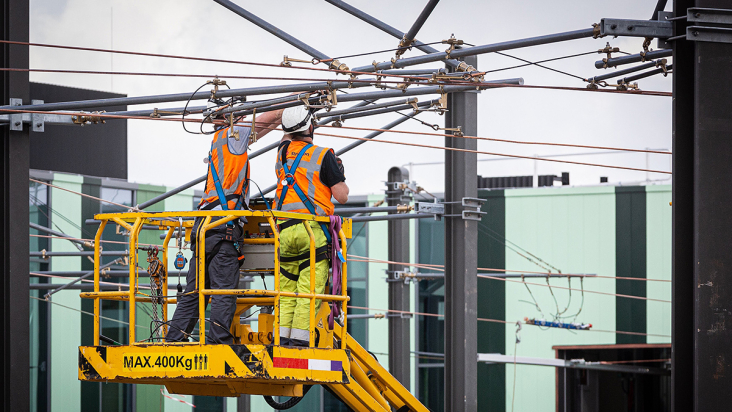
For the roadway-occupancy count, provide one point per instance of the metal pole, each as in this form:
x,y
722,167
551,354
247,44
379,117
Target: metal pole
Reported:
x,y
413,72
273,30
59,234
702,224
118,273
15,242
182,97
409,37
633,58
86,286
398,251
392,217
619,73
367,113
659,7
80,253
358,143
362,108
461,259
251,91
644,75
79,279
386,28
377,209
488,48
359,104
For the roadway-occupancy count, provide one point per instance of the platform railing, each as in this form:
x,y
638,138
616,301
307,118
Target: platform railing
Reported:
x,y
135,222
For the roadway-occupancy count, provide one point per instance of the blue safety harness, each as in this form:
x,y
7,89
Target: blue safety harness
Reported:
x,y
290,180
224,202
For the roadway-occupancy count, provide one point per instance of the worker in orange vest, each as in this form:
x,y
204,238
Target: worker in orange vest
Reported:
x,y
307,177
227,188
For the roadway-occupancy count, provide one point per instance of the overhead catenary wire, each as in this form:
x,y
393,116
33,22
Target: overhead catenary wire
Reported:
x,y
437,315
496,154
440,268
126,207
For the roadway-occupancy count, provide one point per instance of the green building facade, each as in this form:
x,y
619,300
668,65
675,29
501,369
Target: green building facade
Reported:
x,y
607,231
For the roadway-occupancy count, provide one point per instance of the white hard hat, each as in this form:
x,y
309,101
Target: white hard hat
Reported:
x,y
296,119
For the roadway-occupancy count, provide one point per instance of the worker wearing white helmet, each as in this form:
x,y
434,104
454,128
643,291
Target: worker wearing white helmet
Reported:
x,y
308,176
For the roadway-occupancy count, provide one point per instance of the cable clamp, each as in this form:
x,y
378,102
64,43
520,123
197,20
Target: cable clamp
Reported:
x,y
338,123
456,131
91,118
337,65
646,43
216,82
622,85
413,103
597,31
609,50
453,42
287,61
393,62
662,65
404,45
593,85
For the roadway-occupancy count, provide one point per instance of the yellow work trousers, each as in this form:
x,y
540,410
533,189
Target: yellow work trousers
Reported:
x,y
295,312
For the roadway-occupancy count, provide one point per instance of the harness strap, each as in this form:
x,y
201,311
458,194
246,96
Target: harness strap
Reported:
x,y
323,250
293,277
290,178
304,265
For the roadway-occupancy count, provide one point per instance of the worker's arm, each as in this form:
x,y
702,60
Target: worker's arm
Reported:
x,y
268,121
340,192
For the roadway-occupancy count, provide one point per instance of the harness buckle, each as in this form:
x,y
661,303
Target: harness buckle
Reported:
x,y
229,234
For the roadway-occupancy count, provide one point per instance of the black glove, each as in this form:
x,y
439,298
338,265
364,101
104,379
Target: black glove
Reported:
x,y
340,165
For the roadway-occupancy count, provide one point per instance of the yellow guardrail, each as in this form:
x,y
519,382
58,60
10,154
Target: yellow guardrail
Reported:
x,y
134,222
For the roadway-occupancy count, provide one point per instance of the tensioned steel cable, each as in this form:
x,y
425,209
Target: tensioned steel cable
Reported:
x,y
643,92
495,154
499,321
82,194
441,269
500,140
101,115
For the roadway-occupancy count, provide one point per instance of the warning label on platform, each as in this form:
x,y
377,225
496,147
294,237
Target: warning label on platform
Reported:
x,y
153,361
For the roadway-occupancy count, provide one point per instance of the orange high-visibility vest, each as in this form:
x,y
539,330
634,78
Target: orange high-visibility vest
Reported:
x,y
307,178
231,167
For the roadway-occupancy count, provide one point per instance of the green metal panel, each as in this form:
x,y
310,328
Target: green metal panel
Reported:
x,y
573,229
66,324
492,302
658,262
630,261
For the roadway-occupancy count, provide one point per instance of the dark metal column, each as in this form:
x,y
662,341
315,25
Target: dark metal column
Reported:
x,y
15,240
702,224
461,259
399,332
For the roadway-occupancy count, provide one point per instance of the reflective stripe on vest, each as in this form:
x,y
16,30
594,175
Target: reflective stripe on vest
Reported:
x,y
307,177
232,171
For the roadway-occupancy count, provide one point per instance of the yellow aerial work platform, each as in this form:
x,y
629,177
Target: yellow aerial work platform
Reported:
x,y
255,363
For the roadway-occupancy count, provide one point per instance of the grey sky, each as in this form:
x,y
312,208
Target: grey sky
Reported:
x,y
162,153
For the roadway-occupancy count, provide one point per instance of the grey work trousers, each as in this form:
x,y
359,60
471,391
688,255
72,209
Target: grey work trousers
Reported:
x,y
222,272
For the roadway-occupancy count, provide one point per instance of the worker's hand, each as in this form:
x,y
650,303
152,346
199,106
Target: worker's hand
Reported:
x,y
340,165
